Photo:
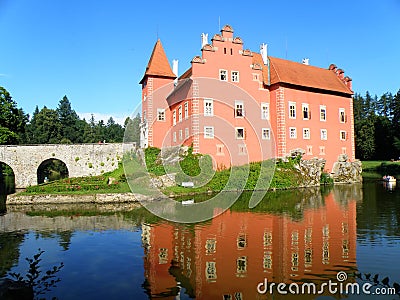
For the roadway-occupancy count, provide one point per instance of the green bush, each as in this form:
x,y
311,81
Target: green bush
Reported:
x,y
153,163
326,179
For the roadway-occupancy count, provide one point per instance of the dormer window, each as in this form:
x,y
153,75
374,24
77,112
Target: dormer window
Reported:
x,y
223,75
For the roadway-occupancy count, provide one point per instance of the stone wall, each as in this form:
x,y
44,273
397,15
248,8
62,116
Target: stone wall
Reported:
x,y
80,159
344,171
18,199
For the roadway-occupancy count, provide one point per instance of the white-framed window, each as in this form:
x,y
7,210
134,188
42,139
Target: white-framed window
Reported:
x,y
239,109
186,110
344,150
267,260
160,114
180,134
163,256
321,150
186,132
239,133
180,113
266,134
264,111
235,76
324,134
241,241
343,135
174,136
305,108
174,118
211,246
306,133
322,113
292,110
208,108
144,116
292,132
241,264
342,115
256,77
208,132
211,270
144,98
223,75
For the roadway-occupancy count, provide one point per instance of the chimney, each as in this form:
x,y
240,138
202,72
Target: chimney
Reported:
x,y
305,61
204,39
332,67
340,74
348,82
264,53
175,70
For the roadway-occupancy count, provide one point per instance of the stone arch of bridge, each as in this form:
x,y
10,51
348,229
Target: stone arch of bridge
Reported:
x,y
7,164
42,173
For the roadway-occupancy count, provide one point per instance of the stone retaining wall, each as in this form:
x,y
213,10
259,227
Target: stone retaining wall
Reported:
x,y
17,199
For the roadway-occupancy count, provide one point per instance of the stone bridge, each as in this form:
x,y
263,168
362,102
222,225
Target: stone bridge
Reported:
x,y
80,159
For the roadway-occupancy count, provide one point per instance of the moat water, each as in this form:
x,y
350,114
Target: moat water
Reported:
x,y
291,237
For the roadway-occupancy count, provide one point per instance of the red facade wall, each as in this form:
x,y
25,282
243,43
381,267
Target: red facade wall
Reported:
x,y
248,81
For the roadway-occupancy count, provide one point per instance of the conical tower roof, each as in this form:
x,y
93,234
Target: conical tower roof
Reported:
x,y
158,64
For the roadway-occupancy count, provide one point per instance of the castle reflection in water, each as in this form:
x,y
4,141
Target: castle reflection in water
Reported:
x,y
226,257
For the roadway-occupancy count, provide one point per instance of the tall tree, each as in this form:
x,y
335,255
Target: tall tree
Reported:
x,y
47,129
12,119
114,131
89,133
69,121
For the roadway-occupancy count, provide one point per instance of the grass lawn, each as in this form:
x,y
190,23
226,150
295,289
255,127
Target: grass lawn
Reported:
x,y
376,169
84,185
280,175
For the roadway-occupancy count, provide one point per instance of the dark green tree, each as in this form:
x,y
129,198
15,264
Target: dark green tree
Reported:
x,y
100,131
364,115
383,139
89,133
69,121
12,119
114,131
47,127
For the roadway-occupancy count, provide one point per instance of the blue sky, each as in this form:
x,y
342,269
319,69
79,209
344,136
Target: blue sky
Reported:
x,y
95,51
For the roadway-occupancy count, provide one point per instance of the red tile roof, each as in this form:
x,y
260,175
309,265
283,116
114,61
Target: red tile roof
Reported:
x,y
286,71
187,74
158,64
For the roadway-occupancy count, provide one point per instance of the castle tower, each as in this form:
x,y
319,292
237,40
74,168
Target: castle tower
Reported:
x,y
155,113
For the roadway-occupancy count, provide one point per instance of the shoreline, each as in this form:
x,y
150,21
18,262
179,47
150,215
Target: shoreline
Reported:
x,y
110,198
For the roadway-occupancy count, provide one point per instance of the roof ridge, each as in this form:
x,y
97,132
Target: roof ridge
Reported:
x,y
273,66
